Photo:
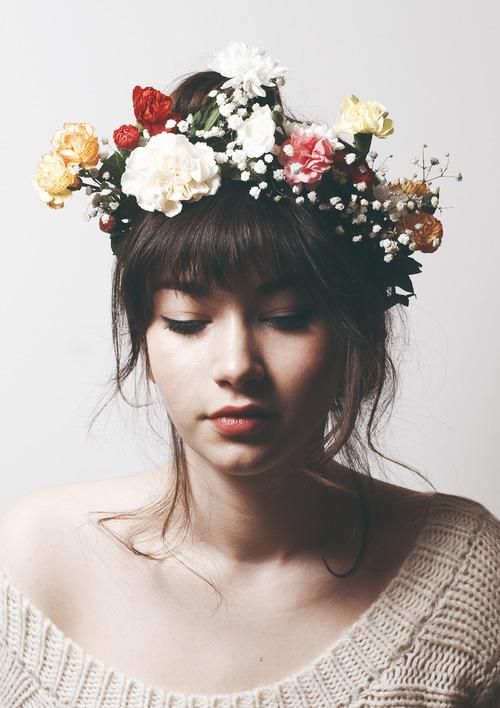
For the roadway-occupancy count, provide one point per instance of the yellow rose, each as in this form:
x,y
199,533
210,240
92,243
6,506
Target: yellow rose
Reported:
x,y
363,117
77,144
52,179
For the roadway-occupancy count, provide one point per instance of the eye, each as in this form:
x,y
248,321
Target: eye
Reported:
x,y
295,321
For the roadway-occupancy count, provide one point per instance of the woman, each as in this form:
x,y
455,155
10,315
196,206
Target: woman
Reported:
x,y
254,568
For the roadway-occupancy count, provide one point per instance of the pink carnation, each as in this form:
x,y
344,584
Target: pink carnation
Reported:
x,y
312,156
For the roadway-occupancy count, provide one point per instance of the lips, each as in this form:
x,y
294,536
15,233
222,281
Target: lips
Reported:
x,y
251,410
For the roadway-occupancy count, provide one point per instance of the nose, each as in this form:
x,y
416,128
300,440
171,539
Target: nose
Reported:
x,y
237,358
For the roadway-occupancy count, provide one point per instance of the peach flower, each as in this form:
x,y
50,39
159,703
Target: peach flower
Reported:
x,y
77,144
53,179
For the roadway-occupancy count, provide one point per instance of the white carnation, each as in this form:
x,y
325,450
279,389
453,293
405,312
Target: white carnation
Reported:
x,y
170,169
256,134
247,68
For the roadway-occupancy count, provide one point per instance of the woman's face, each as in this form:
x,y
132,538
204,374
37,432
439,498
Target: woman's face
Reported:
x,y
259,344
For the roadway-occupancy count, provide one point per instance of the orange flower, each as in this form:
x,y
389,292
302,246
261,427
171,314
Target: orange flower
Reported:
x,y
415,188
427,238
77,144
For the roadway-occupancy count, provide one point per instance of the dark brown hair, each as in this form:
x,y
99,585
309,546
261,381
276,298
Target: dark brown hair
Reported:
x,y
214,241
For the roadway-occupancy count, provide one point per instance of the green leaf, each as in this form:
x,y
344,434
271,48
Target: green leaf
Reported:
x,y
211,118
115,165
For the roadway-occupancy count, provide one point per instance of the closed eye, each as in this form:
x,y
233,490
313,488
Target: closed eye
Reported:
x,y
295,321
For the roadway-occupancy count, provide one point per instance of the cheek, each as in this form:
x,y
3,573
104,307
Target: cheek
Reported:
x,y
310,370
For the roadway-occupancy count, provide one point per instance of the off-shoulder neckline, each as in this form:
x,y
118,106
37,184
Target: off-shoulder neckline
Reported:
x,y
381,610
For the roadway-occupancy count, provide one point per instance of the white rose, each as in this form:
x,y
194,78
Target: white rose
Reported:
x,y
256,134
170,169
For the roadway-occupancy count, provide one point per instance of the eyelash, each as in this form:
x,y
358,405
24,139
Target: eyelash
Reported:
x,y
285,323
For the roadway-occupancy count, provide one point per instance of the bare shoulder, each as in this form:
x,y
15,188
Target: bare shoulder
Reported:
x,y
47,538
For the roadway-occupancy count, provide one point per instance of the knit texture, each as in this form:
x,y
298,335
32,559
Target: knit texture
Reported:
x,y
431,638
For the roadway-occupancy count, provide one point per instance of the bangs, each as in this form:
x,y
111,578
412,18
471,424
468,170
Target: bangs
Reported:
x,y
215,242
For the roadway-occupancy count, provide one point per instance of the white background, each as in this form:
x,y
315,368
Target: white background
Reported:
x,y
434,65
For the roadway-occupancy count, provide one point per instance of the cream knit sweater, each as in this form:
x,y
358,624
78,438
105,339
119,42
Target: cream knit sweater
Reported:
x,y
431,638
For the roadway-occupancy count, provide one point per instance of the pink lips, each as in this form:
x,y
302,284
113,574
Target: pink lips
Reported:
x,y
240,420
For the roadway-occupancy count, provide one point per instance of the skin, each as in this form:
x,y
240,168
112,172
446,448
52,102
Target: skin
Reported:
x,y
250,505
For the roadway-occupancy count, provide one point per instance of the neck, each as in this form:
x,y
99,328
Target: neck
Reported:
x,y
272,516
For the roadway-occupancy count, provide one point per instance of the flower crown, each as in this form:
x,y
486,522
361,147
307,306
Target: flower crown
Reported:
x,y
166,159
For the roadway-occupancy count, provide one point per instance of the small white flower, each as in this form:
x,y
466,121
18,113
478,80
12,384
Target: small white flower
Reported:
x,y
295,167
299,200
359,219
376,228
238,155
334,200
388,257
171,123
262,185
404,239
268,157
189,118
339,206
376,205
434,201
411,205
354,197
350,158
242,165
357,238
247,68
279,175
234,122
312,196
288,150
182,126
114,205
221,157
277,108
361,186
418,226
364,202
226,109
242,112
412,246
260,167
245,176
277,198
221,99
297,188
254,192
104,218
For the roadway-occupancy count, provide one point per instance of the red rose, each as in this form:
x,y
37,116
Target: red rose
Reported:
x,y
126,137
107,223
152,109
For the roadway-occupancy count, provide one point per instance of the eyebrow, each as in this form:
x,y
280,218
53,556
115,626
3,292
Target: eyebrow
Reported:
x,y
202,292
